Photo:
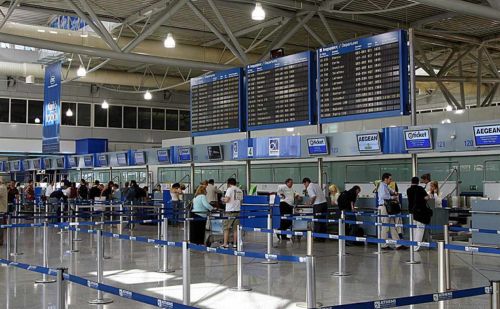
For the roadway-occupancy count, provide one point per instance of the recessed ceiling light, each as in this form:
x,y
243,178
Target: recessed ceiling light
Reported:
x,y
41,30
105,104
52,31
84,35
169,41
81,72
258,13
147,95
459,111
449,108
290,129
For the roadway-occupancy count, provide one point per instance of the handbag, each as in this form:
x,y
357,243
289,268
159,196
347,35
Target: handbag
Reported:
x,y
392,206
423,214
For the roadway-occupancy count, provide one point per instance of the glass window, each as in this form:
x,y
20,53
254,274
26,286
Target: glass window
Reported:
x,y
185,121
100,117
144,118
172,119
4,110
68,120
115,116
17,111
158,119
130,117
84,115
35,110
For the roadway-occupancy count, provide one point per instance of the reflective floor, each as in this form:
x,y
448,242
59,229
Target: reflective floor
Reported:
x,y
133,265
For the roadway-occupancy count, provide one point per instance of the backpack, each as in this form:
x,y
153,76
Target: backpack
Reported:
x,y
83,191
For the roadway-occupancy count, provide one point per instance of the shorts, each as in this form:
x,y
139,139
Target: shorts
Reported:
x,y
232,222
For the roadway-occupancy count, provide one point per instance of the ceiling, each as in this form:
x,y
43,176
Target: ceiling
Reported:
x,y
440,30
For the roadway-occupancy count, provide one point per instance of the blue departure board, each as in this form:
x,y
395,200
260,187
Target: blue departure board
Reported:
x,y
216,103
280,92
364,78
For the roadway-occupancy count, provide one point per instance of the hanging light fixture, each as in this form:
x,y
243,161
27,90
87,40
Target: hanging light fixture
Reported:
x,y
169,41
105,104
81,72
258,13
147,95
37,120
449,108
69,113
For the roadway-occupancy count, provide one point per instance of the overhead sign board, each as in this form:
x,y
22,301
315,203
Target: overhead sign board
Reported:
x,y
369,142
420,139
317,146
487,136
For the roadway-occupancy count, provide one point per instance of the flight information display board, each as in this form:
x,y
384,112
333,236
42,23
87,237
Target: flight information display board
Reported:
x,y
364,78
280,92
216,103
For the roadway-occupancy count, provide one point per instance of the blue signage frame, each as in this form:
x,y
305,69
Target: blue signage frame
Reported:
x,y
102,159
72,162
418,144
487,139
277,63
163,156
51,130
122,159
141,156
317,146
399,36
379,142
88,161
210,78
184,154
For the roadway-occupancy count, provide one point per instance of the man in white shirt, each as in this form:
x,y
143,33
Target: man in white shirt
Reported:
x,y
287,200
320,207
385,193
212,193
233,199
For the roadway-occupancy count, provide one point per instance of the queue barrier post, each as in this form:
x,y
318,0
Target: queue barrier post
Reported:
x,y
309,242
269,238
61,289
158,236
186,267
412,248
45,261
310,282
495,295
164,268
239,264
341,243
61,219
9,221
15,251
441,267
446,234
100,300
77,219
379,233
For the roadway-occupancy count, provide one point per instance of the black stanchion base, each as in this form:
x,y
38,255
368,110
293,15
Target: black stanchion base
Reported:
x,y
43,281
165,271
269,262
341,274
102,301
73,251
412,262
16,253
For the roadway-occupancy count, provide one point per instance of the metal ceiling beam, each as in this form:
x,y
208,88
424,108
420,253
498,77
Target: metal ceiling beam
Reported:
x,y
146,12
314,34
328,28
271,22
12,7
432,19
94,22
214,29
463,7
447,67
173,8
229,32
103,53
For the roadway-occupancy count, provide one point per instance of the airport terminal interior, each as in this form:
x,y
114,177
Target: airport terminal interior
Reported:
x,y
249,154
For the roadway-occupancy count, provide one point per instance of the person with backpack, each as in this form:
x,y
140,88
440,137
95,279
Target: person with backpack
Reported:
x,y
346,202
83,190
417,206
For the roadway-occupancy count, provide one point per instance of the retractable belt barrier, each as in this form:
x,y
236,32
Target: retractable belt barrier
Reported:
x,y
414,300
145,299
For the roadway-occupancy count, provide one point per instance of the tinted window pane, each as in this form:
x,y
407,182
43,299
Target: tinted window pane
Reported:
x,y
100,116
158,119
4,110
115,116
18,111
172,119
185,122
68,120
84,115
35,110
130,117
144,118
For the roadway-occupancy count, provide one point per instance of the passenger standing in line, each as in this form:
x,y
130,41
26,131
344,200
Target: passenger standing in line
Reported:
x,y
233,199
347,203
13,195
320,206
29,192
213,193
108,191
125,190
425,179
287,201
132,193
175,193
334,193
94,191
385,194
4,196
201,208
83,190
435,194
417,206
117,193
51,187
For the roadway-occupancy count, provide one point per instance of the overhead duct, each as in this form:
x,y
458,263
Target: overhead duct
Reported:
x,y
97,77
209,55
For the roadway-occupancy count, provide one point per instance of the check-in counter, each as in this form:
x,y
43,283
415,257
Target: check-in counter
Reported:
x,y
486,215
259,206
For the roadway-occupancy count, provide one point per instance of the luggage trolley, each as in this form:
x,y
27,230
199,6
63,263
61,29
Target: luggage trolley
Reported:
x,y
214,229
304,211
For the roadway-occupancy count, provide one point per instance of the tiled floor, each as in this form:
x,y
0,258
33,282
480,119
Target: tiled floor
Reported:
x,y
133,266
